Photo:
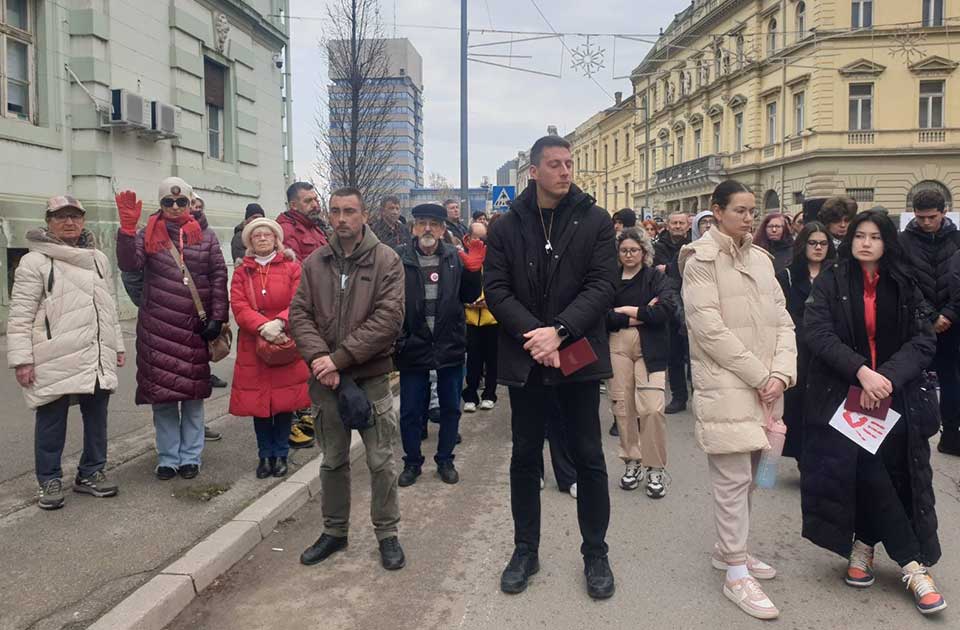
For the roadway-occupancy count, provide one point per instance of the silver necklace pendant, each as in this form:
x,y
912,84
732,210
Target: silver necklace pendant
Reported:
x,y
548,247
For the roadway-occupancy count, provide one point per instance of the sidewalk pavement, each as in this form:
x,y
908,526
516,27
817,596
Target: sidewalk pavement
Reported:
x,y
64,569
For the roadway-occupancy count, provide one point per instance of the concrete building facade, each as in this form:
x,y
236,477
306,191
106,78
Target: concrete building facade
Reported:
x,y
104,95
604,155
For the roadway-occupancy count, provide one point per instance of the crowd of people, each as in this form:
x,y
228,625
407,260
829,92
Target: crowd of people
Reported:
x,y
751,321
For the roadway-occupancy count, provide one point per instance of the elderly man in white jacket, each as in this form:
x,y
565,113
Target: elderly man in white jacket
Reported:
x,y
64,341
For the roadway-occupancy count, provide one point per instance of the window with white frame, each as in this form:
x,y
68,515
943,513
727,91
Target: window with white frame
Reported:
x,y
931,104
861,13
772,36
214,87
801,20
933,12
738,131
799,112
697,143
772,122
861,106
716,137
17,41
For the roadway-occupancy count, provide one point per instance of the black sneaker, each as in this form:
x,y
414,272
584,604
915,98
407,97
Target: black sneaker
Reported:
x,y
165,473
675,406
949,443
95,485
325,547
216,381
523,564
409,476
391,554
189,471
614,429
264,469
448,473
209,435
433,415
280,468
600,583
51,495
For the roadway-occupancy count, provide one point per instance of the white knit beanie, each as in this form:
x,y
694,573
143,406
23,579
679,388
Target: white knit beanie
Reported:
x,y
259,223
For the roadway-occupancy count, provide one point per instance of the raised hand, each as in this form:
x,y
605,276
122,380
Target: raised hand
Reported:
x,y
473,258
129,208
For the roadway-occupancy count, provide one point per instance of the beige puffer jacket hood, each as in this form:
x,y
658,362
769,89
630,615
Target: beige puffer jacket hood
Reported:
x,y
63,318
740,335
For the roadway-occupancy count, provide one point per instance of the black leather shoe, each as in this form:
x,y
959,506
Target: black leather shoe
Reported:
x,y
949,443
614,430
325,547
216,381
280,468
263,469
409,476
599,577
166,473
675,406
448,473
189,471
391,554
515,577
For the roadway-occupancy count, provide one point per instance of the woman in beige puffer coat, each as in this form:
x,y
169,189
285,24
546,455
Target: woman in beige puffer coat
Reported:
x,y
743,356
64,341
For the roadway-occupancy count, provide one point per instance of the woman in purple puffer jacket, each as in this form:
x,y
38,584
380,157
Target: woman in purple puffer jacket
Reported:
x,y
173,360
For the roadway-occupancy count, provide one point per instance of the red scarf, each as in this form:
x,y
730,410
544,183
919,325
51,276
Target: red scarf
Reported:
x,y
156,238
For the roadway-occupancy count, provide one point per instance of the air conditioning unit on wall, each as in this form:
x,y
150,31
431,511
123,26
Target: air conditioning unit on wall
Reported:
x,y
129,110
163,120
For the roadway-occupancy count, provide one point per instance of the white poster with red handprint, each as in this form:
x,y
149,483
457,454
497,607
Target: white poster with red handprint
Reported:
x,y
865,431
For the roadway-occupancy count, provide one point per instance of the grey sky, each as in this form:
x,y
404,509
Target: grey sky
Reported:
x,y
508,109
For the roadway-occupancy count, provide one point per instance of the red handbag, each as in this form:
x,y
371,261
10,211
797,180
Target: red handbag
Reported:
x,y
273,354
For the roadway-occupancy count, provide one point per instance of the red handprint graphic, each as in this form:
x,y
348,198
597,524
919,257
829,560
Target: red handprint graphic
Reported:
x,y
865,427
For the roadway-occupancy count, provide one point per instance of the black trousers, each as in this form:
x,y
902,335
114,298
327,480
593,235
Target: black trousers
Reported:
x,y
50,434
576,407
481,362
564,471
945,362
678,363
884,499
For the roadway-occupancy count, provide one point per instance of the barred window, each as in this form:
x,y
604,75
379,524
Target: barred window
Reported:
x,y
861,195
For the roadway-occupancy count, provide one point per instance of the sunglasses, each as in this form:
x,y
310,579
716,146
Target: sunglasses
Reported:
x,y
181,202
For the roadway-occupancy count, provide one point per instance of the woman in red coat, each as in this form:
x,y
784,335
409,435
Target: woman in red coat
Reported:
x,y
262,288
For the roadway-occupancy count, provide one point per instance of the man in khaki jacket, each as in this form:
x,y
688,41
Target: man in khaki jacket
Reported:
x,y
345,318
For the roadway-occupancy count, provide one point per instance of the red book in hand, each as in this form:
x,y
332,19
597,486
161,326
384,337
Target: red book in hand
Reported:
x,y
577,355
853,404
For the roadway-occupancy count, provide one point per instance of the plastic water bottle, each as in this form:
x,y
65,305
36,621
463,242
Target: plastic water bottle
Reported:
x,y
770,458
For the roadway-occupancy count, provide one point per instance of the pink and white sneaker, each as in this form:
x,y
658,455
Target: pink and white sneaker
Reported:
x,y
750,598
757,568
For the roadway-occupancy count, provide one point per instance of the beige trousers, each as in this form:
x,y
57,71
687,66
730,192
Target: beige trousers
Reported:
x,y
638,402
732,479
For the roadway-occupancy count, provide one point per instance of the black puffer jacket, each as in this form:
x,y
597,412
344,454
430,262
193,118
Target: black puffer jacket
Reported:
x,y
796,285
446,346
237,249
666,250
836,341
580,277
929,256
639,291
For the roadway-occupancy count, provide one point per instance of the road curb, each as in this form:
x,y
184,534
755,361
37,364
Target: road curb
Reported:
x,y
158,602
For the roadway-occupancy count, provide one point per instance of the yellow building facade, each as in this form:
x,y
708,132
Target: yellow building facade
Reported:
x,y
795,98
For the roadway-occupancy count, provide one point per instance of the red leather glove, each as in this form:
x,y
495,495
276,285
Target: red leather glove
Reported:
x,y
129,208
473,257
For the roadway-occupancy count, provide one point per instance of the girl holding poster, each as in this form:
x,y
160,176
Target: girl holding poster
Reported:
x,y
871,340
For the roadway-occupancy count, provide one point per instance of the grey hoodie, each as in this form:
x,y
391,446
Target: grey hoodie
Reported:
x,y
695,229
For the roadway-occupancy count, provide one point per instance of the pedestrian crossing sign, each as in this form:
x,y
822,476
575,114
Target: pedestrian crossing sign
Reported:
x,y
502,196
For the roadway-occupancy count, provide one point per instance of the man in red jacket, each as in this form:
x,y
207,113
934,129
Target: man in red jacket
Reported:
x,y
300,232
302,235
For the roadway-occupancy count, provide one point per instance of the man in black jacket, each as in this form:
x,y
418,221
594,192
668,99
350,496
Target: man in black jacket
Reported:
x,y
438,281
666,252
930,242
549,279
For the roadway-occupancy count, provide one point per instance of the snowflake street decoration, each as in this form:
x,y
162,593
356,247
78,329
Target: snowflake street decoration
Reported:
x,y
907,44
588,59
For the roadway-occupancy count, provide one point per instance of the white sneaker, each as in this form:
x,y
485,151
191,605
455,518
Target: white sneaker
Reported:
x,y
573,491
486,405
757,568
469,407
657,480
747,594
631,476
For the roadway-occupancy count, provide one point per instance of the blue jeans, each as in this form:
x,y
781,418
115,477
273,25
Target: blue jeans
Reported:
x,y
414,399
179,428
272,434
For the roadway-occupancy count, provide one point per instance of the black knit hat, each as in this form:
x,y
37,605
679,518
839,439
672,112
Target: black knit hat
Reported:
x,y
430,211
253,210
627,217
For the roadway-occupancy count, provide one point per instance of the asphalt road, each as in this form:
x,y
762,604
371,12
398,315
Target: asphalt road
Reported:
x,y
458,538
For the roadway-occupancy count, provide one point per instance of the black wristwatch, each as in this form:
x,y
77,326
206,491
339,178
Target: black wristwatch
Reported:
x,y
561,331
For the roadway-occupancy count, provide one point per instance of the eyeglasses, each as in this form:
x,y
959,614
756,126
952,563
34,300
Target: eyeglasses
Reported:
x,y
167,202
818,244
630,251
62,218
